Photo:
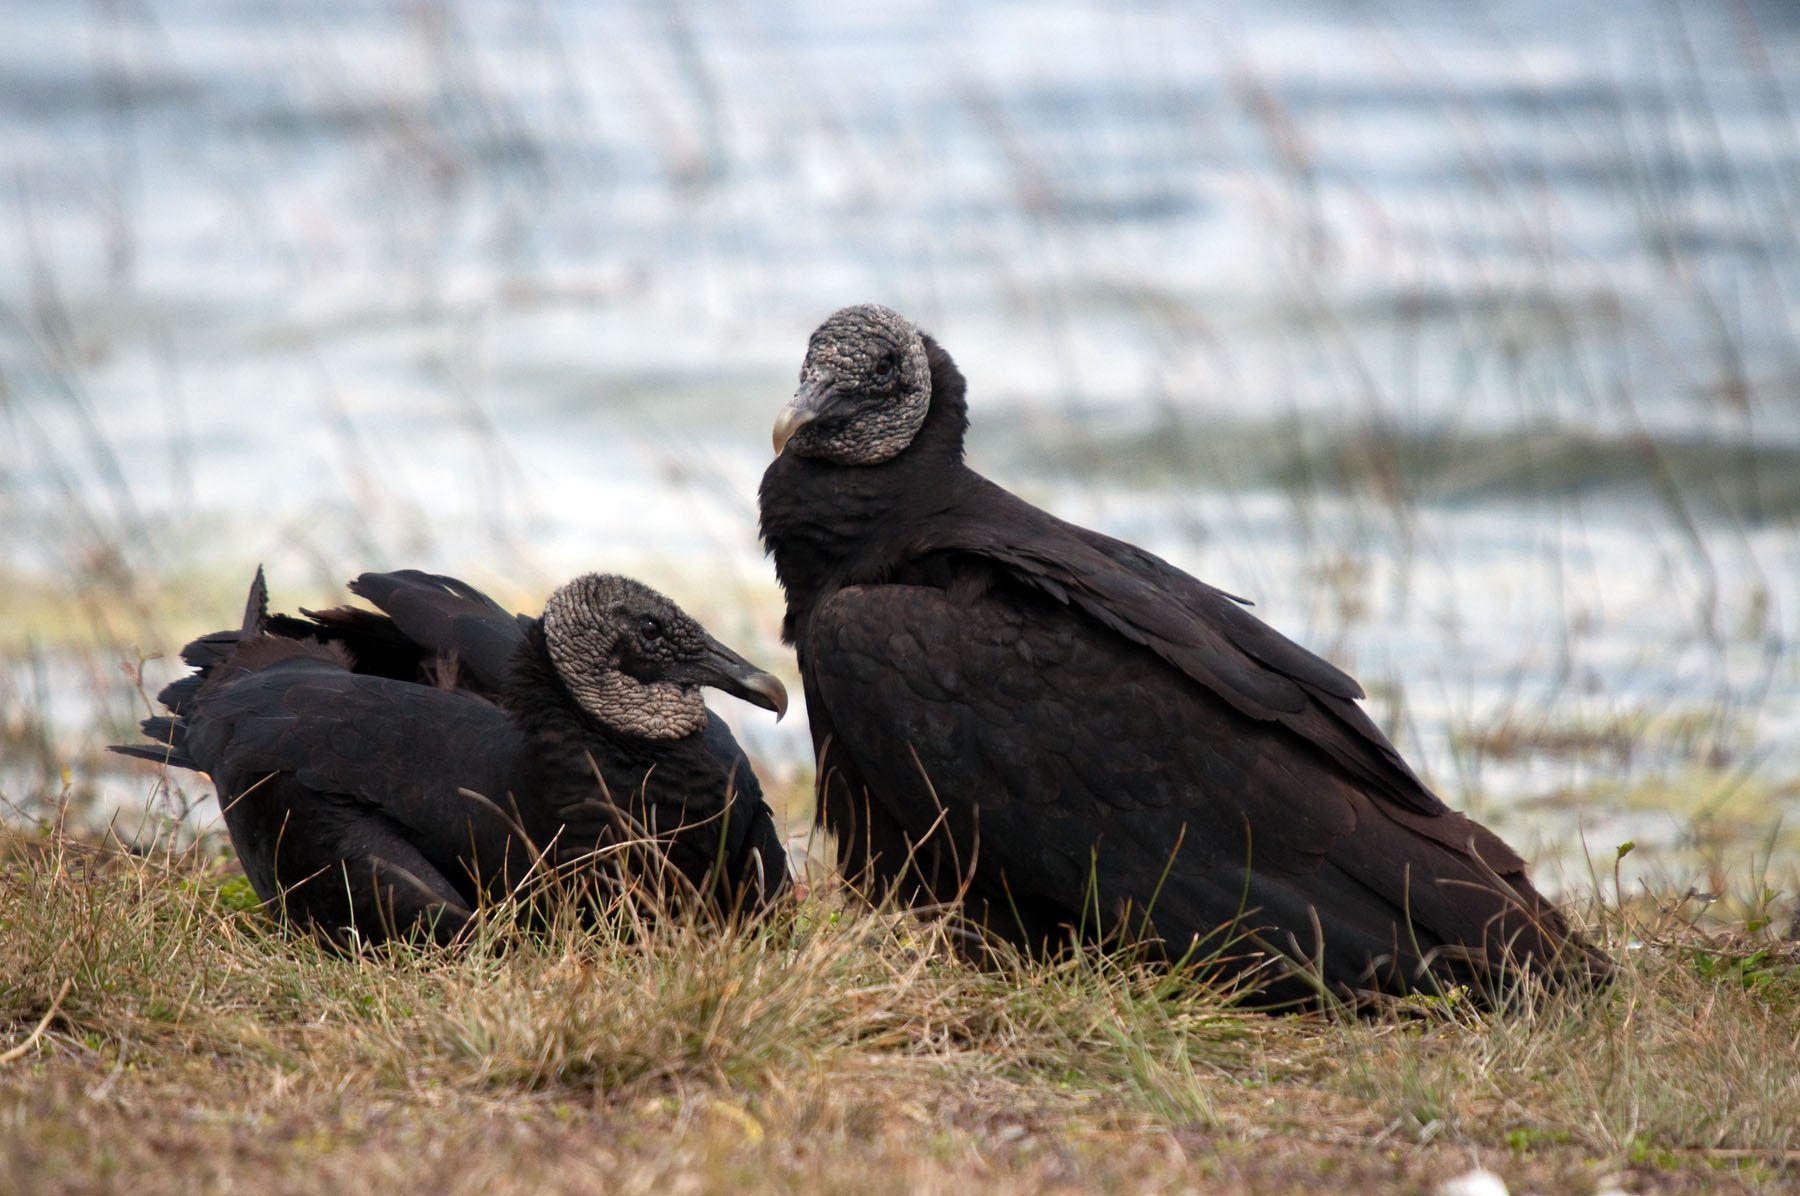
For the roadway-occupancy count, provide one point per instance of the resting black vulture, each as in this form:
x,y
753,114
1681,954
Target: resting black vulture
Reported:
x,y
1072,733
386,772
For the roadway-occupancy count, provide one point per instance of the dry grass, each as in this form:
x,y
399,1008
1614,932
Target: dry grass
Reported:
x,y
158,1038
155,1037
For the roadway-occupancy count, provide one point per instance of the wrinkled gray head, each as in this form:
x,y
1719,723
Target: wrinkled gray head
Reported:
x,y
865,389
636,661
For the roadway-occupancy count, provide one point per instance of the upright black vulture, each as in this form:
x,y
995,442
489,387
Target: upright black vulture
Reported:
x,y
1078,737
385,772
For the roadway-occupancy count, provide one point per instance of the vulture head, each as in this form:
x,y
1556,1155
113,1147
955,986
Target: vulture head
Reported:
x,y
635,661
865,389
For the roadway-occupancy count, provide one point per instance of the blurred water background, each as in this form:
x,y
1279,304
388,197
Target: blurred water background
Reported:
x,y
1462,338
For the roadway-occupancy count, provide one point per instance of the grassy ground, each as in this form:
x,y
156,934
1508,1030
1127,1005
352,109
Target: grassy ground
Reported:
x,y
158,1036
1549,304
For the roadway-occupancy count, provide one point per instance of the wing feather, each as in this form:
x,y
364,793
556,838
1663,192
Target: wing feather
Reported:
x,y
1198,629
1100,764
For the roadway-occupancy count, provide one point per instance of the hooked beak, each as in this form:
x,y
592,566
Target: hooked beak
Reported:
x,y
725,670
805,406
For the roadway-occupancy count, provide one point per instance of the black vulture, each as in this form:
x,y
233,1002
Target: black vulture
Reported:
x,y
385,773
1077,739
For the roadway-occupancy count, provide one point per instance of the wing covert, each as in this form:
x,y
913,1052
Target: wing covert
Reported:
x,y
1040,743
364,738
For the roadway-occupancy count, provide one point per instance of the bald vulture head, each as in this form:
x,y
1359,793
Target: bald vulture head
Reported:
x,y
635,661
865,389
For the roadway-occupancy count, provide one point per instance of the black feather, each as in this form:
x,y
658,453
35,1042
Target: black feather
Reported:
x,y
389,772
1070,731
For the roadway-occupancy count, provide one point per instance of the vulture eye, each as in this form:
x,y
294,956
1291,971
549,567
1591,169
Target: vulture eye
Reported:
x,y
649,629
885,365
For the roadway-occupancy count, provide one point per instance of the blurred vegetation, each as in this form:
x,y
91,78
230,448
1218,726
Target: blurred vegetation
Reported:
x,y
157,1036
1463,344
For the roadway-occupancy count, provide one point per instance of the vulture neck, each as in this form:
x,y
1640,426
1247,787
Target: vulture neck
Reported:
x,y
572,757
539,699
830,525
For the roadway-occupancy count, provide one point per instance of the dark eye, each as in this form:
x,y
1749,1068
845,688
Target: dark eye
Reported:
x,y
885,366
649,629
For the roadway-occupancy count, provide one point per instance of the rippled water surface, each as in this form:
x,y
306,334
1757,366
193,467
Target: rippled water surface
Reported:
x,y
1462,338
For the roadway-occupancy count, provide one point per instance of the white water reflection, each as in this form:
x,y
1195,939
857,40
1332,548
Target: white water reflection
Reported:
x,y
515,289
